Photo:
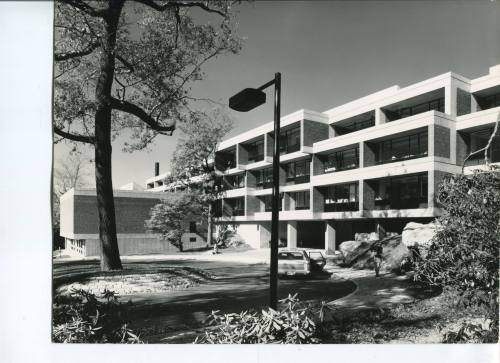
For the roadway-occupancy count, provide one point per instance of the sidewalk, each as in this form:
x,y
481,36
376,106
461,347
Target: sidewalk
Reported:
x,y
373,292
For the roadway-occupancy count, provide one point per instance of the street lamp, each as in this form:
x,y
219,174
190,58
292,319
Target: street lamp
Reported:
x,y
244,101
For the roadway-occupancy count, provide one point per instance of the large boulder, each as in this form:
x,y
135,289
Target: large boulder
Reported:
x,y
352,250
394,252
418,236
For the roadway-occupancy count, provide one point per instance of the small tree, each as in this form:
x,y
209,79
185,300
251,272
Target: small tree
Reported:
x,y
193,161
71,172
168,218
463,255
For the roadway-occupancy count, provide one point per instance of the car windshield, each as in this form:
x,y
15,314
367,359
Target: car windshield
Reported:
x,y
290,256
316,255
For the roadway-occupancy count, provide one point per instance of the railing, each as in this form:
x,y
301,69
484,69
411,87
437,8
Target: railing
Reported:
x,y
287,149
333,168
341,207
394,159
299,179
400,203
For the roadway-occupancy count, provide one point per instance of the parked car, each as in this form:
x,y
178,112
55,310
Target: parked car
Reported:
x,y
318,261
291,263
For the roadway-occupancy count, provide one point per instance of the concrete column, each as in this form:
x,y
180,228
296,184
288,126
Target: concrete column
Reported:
x,y
265,234
331,131
450,100
380,117
361,187
361,155
330,240
430,140
242,155
431,192
291,234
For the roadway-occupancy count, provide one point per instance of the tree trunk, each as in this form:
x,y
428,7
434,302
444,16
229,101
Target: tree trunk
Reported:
x,y
210,226
110,256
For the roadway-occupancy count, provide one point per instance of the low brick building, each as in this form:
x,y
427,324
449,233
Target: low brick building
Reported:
x,y
79,224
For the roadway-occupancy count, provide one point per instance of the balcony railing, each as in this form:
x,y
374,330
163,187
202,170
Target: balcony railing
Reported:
x,y
287,149
400,203
255,158
341,206
395,158
331,168
299,179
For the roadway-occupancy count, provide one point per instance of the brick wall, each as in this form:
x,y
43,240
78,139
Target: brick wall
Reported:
x,y
441,141
317,165
462,148
317,200
313,132
464,100
130,214
368,155
368,196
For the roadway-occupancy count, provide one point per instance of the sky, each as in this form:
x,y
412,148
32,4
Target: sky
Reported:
x,y
329,53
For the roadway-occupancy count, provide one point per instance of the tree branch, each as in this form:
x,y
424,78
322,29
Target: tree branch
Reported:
x,y
125,62
86,8
135,110
74,137
485,149
172,4
65,56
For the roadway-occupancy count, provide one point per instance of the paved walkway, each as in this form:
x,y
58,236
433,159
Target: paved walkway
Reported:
x,y
373,292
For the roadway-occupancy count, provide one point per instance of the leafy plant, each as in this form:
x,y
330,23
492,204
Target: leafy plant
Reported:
x,y
83,318
463,255
294,323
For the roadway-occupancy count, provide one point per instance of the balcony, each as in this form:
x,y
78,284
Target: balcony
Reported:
x,y
433,100
233,182
341,160
341,197
477,140
341,205
354,123
397,149
404,192
298,172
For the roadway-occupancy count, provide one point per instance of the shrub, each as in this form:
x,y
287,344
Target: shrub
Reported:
x,y
83,318
463,254
294,323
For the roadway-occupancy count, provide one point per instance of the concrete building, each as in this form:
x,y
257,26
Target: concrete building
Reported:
x,y
371,164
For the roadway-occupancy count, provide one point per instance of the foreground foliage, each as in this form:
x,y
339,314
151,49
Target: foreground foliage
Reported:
x,y
463,255
83,318
294,323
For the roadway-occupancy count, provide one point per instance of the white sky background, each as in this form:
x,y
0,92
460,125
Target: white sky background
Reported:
x,y
25,159
331,52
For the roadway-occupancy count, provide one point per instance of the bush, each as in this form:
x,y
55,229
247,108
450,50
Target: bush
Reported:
x,y
463,255
294,323
82,318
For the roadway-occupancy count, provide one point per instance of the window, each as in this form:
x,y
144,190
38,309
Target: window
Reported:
x,y
402,148
301,200
234,181
478,140
290,140
486,102
354,126
342,160
192,227
342,197
256,151
192,239
406,192
264,178
239,207
298,171
268,202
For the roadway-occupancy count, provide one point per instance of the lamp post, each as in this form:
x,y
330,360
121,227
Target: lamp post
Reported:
x,y
244,101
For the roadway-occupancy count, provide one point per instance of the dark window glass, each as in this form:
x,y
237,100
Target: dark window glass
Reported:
x,y
264,178
192,227
354,126
342,197
256,151
437,104
406,192
298,171
478,140
342,160
290,140
301,200
268,202
402,148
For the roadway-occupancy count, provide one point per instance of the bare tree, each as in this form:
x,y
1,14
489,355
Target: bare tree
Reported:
x,y
128,66
486,148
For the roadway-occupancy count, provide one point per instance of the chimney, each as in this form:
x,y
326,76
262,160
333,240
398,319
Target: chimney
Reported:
x,y
157,168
